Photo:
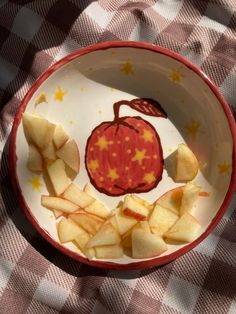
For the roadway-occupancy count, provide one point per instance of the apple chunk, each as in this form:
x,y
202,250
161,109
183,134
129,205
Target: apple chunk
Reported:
x,y
58,177
59,137
57,203
146,245
109,251
35,161
98,209
172,200
124,223
134,209
186,164
49,152
184,230
88,222
68,230
39,129
161,219
190,196
77,196
106,235
69,152
81,240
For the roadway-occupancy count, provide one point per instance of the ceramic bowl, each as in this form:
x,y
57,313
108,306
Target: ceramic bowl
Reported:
x,y
81,89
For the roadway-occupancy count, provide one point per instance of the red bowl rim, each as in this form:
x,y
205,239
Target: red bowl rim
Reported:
x,y
13,159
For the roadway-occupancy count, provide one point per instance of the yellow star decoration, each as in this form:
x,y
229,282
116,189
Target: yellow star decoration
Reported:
x,y
35,183
176,76
81,89
112,174
224,168
127,68
149,177
59,94
41,98
192,129
147,136
93,165
102,143
139,156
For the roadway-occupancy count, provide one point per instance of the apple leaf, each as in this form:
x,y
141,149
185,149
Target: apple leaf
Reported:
x,y
148,106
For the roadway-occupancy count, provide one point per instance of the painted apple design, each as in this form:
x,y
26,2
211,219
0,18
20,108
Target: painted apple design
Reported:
x,y
125,155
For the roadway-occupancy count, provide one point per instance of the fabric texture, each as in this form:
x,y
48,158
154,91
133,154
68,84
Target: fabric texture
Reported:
x,y
35,277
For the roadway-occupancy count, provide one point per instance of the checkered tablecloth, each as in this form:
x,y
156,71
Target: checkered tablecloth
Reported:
x,y
34,277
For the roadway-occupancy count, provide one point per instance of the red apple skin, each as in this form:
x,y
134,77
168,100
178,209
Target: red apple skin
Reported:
x,y
130,213
125,138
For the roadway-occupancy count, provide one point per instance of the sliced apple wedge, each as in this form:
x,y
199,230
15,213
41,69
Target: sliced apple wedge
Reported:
x,y
60,136
142,201
77,196
127,240
88,189
161,220
134,209
124,223
146,245
88,222
39,129
68,230
57,213
81,240
57,203
186,164
35,161
49,152
190,196
109,251
58,177
184,230
98,209
172,199
69,152
106,235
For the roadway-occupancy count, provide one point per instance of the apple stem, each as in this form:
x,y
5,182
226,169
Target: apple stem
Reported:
x,y
116,108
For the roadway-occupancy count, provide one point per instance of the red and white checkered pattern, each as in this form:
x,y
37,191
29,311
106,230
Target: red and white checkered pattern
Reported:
x,y
34,277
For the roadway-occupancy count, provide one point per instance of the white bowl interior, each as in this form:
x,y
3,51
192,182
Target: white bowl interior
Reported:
x,y
94,82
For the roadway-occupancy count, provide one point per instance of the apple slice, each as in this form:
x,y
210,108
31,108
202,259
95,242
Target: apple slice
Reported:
x,y
186,164
134,209
58,177
77,196
49,152
57,213
60,137
172,199
124,223
81,240
109,251
98,209
142,201
127,240
68,230
184,230
57,203
190,196
39,129
146,245
35,161
88,189
88,222
69,152
106,235
161,220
